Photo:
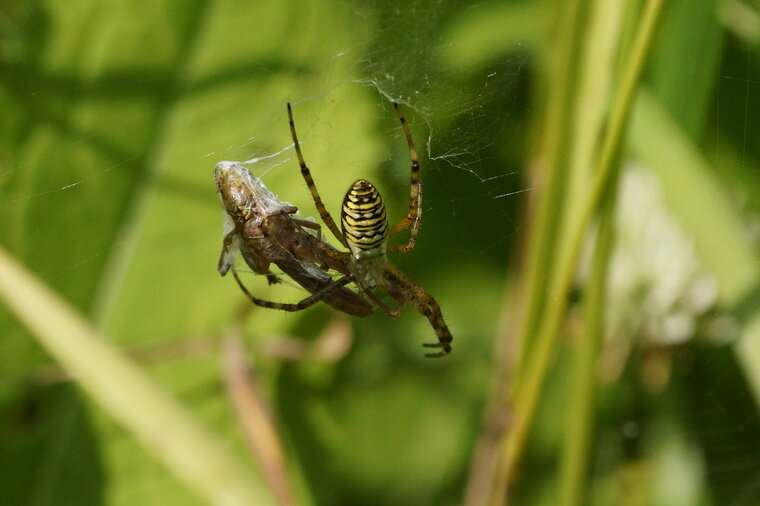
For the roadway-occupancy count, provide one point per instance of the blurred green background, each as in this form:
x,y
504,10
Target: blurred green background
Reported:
x,y
114,114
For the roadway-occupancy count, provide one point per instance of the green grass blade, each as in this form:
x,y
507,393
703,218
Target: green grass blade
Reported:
x,y
140,405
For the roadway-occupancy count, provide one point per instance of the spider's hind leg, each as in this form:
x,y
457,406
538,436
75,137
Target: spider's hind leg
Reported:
x,y
403,288
442,353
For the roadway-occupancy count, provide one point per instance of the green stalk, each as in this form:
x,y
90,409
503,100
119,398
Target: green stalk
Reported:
x,y
527,395
549,177
160,424
596,77
601,46
582,389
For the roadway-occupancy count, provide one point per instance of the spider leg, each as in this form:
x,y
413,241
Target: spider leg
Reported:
x,y
409,246
307,302
415,198
425,304
306,173
432,312
393,313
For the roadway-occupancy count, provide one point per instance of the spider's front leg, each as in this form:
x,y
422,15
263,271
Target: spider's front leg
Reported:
x,y
413,217
415,222
306,173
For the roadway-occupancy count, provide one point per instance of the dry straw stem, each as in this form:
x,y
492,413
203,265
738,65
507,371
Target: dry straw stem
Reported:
x,y
255,417
156,420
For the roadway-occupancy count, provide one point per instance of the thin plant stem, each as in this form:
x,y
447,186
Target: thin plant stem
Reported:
x,y
549,178
582,384
602,44
526,396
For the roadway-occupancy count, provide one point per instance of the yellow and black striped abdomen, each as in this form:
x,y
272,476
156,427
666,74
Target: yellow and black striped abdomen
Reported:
x,y
363,219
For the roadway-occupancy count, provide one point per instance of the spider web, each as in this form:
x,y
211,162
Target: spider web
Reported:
x,y
105,169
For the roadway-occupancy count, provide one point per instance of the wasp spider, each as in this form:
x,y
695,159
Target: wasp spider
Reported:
x,y
364,231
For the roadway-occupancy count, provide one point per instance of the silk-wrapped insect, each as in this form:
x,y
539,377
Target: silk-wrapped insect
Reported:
x,y
268,231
